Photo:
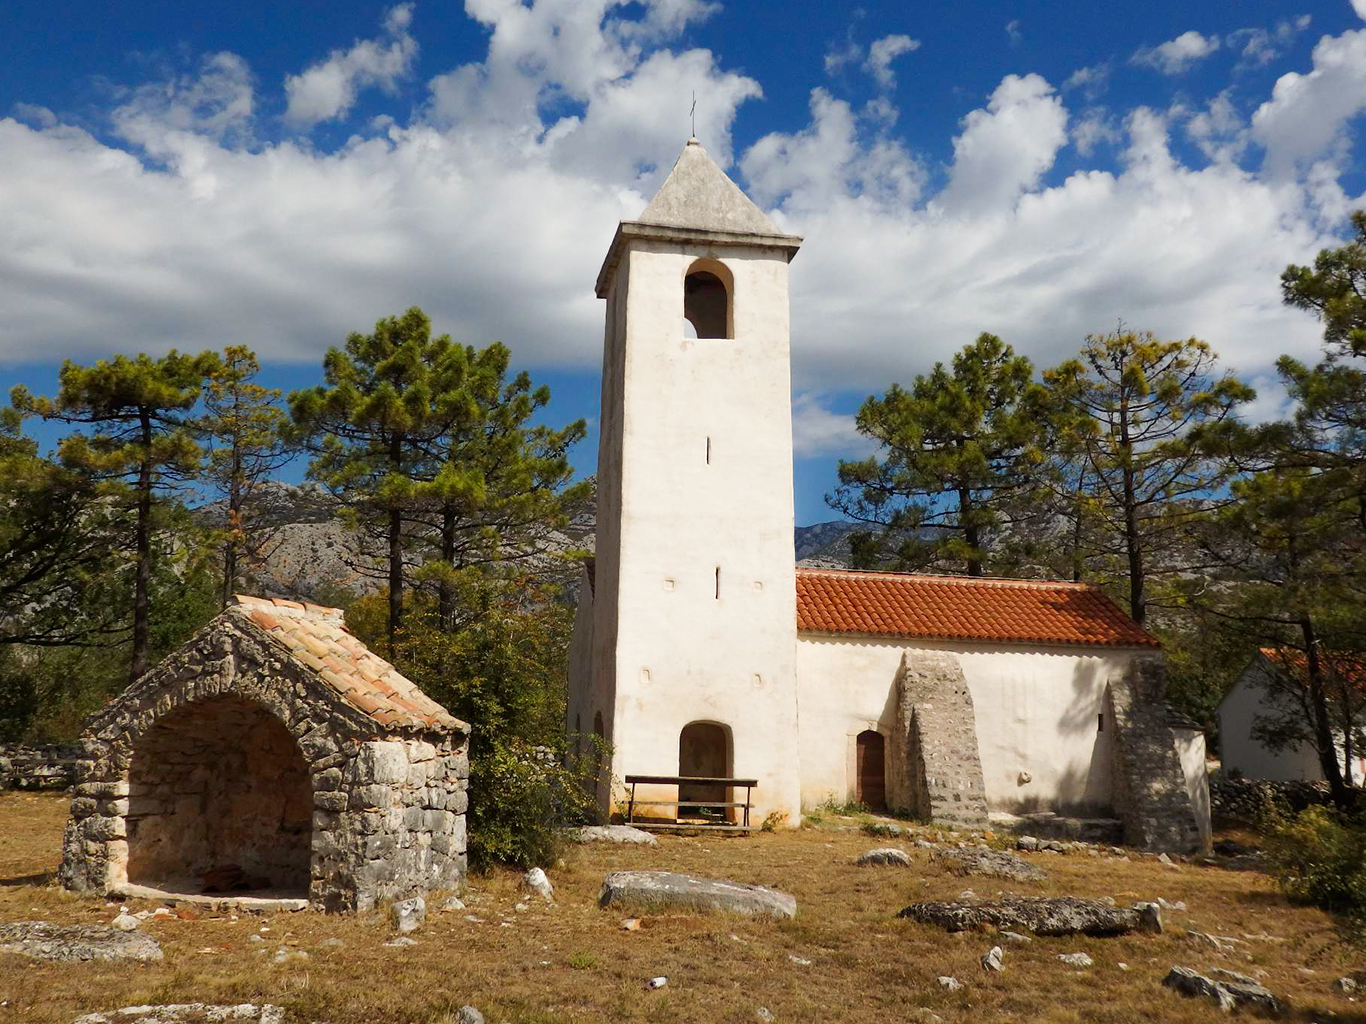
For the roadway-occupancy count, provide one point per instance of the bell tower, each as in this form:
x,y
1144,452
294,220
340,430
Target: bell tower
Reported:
x,y
693,630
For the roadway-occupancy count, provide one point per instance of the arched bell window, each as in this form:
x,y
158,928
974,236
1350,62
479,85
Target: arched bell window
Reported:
x,y
707,292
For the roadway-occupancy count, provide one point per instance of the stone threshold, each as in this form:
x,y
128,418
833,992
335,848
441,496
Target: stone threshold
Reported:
x,y
1050,825
260,901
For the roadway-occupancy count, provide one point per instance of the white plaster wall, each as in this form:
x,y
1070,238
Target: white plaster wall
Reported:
x,y
1036,710
1190,748
1241,751
682,653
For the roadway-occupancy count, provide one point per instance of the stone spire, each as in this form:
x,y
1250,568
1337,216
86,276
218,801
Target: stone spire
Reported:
x,y
698,194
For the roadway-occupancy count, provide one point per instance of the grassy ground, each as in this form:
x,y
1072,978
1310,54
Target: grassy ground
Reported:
x,y
574,962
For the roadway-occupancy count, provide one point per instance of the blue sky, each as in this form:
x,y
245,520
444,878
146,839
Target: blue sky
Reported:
x,y
194,175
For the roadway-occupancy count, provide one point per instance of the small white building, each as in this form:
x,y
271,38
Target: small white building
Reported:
x,y
700,650
1265,689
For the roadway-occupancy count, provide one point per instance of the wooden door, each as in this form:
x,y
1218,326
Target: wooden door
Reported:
x,y
871,787
702,752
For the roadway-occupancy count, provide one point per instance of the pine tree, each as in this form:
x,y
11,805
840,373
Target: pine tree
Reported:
x,y
956,449
1335,290
244,427
139,447
1127,416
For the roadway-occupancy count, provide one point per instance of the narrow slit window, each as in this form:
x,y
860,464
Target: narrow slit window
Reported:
x,y
708,451
718,583
1100,722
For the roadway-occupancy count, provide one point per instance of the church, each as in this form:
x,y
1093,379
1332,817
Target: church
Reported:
x,y
701,650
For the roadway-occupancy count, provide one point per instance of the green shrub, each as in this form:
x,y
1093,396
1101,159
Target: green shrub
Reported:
x,y
1319,856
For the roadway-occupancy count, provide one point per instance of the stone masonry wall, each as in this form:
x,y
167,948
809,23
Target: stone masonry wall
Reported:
x,y
936,768
388,806
1149,787
40,766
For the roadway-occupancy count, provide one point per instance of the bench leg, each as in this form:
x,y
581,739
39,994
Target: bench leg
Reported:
x,y
631,806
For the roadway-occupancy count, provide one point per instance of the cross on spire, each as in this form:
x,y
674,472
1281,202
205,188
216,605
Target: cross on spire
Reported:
x,y
693,114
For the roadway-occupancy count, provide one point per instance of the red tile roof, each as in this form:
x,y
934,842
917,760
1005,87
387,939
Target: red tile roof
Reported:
x,y
317,637
1349,667
962,608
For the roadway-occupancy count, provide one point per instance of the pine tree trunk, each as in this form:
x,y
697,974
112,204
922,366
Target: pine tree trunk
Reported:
x,y
446,594
1323,730
1133,545
230,548
970,531
142,579
395,551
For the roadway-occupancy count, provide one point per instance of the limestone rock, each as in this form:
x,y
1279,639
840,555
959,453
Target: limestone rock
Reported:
x,y
949,984
536,881
469,1015
991,863
660,890
886,856
1234,991
1347,986
1042,915
453,903
45,941
1027,843
1076,959
614,834
882,828
409,914
190,1013
124,922
992,962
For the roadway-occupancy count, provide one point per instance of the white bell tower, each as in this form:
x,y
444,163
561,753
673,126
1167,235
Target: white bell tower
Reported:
x,y
693,629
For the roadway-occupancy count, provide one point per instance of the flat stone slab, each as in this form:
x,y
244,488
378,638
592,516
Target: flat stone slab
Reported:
x,y
44,941
614,834
991,863
885,856
261,902
1042,915
665,890
188,1013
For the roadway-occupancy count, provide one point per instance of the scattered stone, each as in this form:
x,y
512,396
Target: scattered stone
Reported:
x,y
256,938
991,863
283,955
765,1014
1026,843
885,856
409,914
332,943
924,1015
631,924
474,920
1347,986
949,984
992,960
659,982
535,881
521,907
1076,959
453,903
967,894
882,828
1167,862
614,834
402,940
925,844
1016,938
1237,990
657,890
125,922
469,1015
45,941
803,962
1041,915
1219,943
1177,906
1122,966
242,1013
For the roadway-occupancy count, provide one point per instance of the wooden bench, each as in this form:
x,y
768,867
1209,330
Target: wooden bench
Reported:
x,y
689,780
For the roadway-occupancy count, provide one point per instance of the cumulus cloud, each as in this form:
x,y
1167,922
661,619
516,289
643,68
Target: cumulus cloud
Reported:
x,y
492,199
1259,46
817,430
1092,81
1176,55
327,90
1307,115
1219,130
1360,7
881,54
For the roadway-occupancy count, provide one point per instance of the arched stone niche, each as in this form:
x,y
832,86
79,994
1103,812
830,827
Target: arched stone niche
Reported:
x,y
236,768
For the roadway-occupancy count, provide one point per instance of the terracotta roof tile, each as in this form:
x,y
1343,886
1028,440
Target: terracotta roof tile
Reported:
x,y
1348,667
962,608
317,638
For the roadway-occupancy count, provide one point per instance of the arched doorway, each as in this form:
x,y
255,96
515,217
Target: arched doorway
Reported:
x,y
704,751
706,300
220,800
871,772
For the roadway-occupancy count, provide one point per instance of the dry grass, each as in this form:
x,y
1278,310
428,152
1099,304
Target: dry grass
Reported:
x,y
574,962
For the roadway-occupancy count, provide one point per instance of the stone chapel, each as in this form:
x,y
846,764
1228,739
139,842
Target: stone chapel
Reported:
x,y
701,650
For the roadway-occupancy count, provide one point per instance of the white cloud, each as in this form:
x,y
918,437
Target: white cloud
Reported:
x,y
38,116
1004,150
494,214
1014,33
1360,7
327,91
816,430
1307,115
881,54
1092,81
1260,46
1219,130
1176,55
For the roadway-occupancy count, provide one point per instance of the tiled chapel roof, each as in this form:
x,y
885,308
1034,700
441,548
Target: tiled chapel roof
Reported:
x,y
962,608
317,637
1348,667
